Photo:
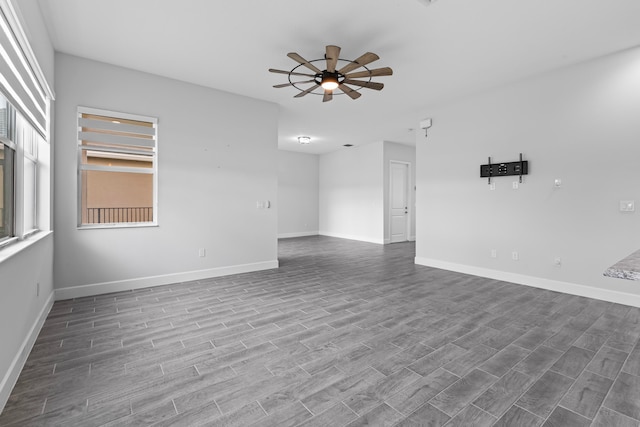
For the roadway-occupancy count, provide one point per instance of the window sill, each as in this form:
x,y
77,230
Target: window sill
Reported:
x,y
12,249
117,225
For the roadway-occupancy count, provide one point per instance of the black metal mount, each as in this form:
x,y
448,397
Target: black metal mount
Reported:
x,y
491,170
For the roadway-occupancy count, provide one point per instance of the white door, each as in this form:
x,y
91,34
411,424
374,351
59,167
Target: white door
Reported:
x,y
399,200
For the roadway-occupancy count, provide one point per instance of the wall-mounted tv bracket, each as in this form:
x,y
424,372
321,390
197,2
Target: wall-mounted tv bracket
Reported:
x,y
504,169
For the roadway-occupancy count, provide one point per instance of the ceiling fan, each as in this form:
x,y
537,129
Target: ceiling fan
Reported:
x,y
333,78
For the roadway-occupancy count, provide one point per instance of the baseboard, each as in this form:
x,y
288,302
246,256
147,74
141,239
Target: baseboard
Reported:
x,y
536,282
166,279
299,234
410,239
352,237
12,374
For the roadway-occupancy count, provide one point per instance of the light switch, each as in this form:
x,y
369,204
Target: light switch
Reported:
x,y
627,205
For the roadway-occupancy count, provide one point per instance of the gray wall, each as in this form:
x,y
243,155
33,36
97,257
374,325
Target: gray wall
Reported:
x,y
298,183
217,157
580,125
351,193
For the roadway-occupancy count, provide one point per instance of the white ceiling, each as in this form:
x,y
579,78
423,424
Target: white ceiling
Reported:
x,y
439,52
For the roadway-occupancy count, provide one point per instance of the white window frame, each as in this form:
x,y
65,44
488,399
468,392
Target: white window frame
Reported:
x,y
14,235
26,134
26,89
82,167
22,132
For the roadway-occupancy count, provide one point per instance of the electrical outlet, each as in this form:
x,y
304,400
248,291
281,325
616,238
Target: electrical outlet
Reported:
x,y
202,252
492,186
557,261
515,256
494,253
515,185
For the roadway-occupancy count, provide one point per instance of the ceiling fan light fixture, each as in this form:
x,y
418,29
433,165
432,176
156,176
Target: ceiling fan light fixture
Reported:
x,y
329,80
304,139
338,78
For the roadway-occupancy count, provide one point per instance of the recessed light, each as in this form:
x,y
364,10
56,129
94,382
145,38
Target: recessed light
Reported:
x,y
304,139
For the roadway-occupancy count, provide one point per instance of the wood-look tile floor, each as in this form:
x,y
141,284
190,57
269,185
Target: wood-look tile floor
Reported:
x,y
343,333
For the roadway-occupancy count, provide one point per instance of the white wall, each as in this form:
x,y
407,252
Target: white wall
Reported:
x,y
580,125
22,310
298,186
217,157
25,264
351,193
406,154
37,34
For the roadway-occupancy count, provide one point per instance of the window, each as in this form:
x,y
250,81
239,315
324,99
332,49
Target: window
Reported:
x,y
19,142
28,140
7,160
117,169
25,155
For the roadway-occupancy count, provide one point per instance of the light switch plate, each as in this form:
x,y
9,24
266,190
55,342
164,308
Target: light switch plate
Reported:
x,y
627,205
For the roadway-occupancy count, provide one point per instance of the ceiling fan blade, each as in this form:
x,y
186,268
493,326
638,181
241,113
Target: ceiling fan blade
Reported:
x,y
328,96
304,62
368,85
290,73
332,55
311,89
353,94
386,71
365,59
292,84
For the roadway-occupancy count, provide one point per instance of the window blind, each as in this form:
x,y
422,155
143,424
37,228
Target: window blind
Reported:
x,y
18,80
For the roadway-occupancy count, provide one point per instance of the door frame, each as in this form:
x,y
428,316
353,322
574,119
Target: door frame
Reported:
x,y
409,199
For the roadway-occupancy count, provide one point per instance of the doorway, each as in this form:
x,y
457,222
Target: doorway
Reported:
x,y
399,221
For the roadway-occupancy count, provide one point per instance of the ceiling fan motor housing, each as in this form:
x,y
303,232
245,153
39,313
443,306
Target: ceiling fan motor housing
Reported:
x,y
327,78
